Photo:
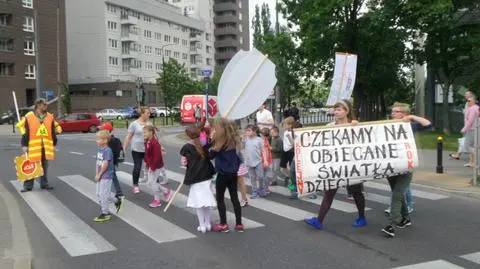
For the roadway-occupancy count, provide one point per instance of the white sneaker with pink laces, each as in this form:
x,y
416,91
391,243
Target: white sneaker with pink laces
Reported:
x,y
136,190
155,203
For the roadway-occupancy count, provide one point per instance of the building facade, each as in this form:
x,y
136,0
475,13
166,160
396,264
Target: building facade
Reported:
x,y
232,31
18,50
117,42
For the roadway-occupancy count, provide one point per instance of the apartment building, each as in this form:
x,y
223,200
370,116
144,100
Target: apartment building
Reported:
x,y
114,43
232,30
18,50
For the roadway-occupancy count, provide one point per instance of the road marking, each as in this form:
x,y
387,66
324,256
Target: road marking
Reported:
x,y
382,199
128,163
438,264
144,221
181,201
76,237
269,206
15,145
473,257
76,153
416,193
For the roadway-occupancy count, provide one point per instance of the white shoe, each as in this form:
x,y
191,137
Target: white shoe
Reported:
x,y
202,229
410,210
387,211
208,227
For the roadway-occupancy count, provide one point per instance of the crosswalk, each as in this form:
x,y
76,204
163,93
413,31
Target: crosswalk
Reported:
x,y
80,238
473,258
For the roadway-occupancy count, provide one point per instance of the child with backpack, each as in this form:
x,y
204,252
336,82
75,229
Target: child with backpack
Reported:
x,y
118,156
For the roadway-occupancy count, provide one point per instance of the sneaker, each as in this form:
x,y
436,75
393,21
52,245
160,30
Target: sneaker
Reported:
x,y
103,218
155,203
167,195
136,190
118,203
223,228
389,231
312,196
293,196
254,195
387,211
410,209
208,227
313,221
239,228
360,222
243,203
267,191
202,229
404,223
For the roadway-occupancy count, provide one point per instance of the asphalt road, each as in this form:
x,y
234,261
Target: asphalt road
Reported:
x,y
445,226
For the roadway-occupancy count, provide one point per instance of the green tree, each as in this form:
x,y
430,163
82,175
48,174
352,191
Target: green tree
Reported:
x,y
214,81
257,28
67,99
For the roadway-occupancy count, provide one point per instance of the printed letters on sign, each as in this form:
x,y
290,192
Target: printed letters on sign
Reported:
x,y
334,157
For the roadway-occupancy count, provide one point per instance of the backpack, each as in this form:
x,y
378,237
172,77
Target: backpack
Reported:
x,y
117,150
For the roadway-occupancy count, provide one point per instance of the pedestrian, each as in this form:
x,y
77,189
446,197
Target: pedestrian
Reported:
x,y
118,155
468,130
224,151
198,174
399,216
135,137
203,133
264,118
294,112
253,160
462,148
277,150
266,159
39,131
287,155
198,113
103,176
343,115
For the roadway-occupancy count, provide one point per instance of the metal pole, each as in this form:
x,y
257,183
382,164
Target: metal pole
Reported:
x,y
164,86
476,152
439,155
38,66
59,94
277,89
206,97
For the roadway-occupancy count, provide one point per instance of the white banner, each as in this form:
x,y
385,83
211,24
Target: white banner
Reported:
x,y
343,77
333,157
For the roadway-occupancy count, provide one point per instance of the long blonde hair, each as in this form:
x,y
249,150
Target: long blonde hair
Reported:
x,y
226,137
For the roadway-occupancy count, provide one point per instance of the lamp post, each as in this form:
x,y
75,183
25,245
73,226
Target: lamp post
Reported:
x,y
59,95
164,77
277,88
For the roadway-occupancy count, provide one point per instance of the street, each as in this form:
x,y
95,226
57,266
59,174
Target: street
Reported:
x,y
444,233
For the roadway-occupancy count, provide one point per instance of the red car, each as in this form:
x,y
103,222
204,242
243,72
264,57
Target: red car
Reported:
x,y
80,122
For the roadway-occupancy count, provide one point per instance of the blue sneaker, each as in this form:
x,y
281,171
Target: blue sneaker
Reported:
x,y
294,196
314,222
360,222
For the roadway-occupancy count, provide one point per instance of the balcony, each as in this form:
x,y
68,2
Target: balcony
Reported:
x,y
226,31
225,19
227,43
129,37
132,54
224,55
128,20
195,51
218,7
196,38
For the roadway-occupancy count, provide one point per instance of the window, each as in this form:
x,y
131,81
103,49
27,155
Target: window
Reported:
x,y
184,56
7,69
240,15
149,65
127,93
158,51
209,61
176,54
112,25
240,28
113,60
84,117
240,4
147,34
241,40
209,49
113,43
30,71
111,8
158,36
168,53
147,18
184,43
176,40
28,24
158,66
167,38
27,3
28,48
148,50
7,44
207,37
5,19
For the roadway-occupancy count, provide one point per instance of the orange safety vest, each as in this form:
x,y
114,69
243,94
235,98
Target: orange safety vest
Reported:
x,y
40,137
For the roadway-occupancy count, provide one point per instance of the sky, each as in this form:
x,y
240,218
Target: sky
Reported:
x,y
271,4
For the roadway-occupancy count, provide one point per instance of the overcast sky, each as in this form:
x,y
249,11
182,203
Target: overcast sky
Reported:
x,y
271,4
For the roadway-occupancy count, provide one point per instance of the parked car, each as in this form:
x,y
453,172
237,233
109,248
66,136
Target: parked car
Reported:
x,y
112,114
130,111
79,122
10,117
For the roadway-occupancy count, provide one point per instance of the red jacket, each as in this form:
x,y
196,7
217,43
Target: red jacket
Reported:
x,y
153,154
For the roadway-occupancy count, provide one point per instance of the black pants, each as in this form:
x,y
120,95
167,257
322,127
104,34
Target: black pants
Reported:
x,y
222,183
137,165
355,190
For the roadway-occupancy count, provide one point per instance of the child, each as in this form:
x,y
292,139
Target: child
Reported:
x,y
118,156
266,158
198,174
277,150
287,155
242,171
154,166
253,160
203,133
104,175
227,162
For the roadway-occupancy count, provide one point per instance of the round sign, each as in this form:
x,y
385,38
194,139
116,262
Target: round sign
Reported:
x,y
28,167
188,106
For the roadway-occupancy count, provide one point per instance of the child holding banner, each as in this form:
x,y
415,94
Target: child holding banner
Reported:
x,y
343,115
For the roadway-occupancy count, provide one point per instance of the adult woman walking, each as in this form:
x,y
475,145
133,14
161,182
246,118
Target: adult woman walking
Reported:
x,y
343,115
135,137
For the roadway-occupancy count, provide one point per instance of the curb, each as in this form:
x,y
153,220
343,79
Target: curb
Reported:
x,y
21,252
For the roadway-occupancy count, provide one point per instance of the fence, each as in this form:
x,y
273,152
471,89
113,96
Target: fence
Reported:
x,y
315,118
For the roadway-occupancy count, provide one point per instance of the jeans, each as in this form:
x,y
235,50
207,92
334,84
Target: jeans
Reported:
x,y
28,185
137,165
408,196
116,184
222,183
398,205
257,177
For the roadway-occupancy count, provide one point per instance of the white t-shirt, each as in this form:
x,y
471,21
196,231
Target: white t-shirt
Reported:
x,y
138,142
287,140
263,119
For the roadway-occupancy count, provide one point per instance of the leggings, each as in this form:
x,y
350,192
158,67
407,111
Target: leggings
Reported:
x,y
355,190
222,183
137,165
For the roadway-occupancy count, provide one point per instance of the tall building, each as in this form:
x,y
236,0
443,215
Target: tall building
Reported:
x,y
232,31
19,51
112,44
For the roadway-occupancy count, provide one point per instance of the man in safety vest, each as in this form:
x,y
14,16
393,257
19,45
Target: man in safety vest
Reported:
x,y
39,137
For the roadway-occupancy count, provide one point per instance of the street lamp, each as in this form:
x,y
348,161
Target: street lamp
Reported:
x,y
164,77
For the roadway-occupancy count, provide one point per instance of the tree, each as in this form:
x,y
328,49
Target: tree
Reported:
x,y
175,82
257,28
67,99
214,81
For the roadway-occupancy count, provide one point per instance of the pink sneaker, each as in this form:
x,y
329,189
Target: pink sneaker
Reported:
x,y
167,195
136,190
155,203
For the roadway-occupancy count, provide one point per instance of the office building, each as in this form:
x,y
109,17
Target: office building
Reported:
x,y
232,30
19,51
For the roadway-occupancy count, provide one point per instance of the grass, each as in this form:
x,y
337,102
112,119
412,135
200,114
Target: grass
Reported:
x,y
428,140
156,121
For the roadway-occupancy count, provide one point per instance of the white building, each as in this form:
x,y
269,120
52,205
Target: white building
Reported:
x,y
122,40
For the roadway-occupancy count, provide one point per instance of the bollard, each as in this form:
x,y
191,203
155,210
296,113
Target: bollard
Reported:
x,y
439,155
126,124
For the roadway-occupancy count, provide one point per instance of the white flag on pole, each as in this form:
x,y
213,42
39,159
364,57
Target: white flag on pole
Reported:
x,y
343,77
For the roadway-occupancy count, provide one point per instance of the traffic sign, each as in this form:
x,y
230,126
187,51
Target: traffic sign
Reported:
x,y
206,73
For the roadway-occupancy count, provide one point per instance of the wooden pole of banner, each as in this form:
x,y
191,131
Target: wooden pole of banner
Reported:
x,y
226,115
